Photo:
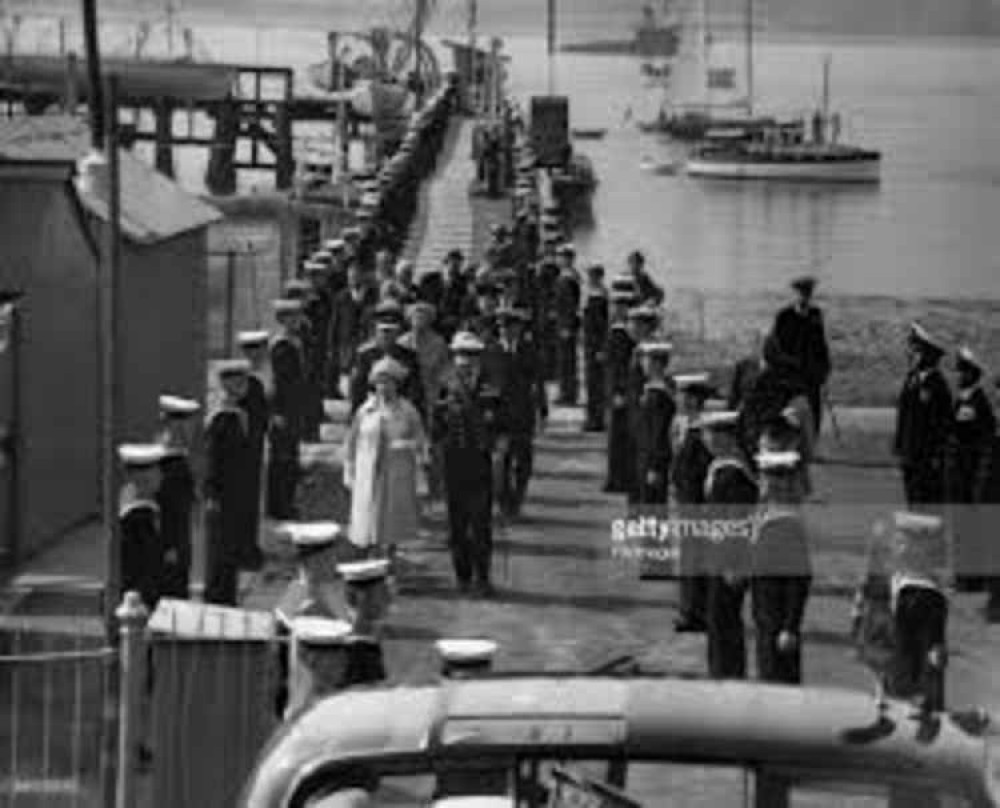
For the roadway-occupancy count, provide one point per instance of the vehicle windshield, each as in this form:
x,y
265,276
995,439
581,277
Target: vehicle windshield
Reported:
x,y
605,784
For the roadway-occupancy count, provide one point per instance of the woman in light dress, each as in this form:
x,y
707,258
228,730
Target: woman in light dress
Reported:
x,y
386,450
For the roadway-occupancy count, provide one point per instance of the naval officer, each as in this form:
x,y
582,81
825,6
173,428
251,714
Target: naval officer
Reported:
x,y
568,294
652,426
258,409
620,345
923,421
389,319
596,314
175,495
468,427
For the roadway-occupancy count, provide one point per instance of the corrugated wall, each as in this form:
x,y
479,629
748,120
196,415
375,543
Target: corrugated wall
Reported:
x,y
45,254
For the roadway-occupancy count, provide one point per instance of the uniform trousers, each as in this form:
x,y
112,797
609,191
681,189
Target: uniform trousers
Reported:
x,y
282,475
919,619
468,478
815,398
923,483
727,655
595,372
776,600
569,382
221,569
694,582
516,466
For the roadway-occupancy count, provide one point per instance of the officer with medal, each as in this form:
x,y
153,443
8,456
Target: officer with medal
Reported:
x,y
782,570
652,426
730,502
389,319
522,391
468,427
228,485
972,430
139,530
176,493
596,315
257,406
287,407
692,460
923,421
919,609
568,295
619,347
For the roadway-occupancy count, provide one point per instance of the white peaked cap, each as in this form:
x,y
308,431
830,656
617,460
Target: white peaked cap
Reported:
x,y
466,650
177,405
140,455
311,534
320,630
359,571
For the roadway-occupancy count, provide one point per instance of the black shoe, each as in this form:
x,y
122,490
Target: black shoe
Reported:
x,y
689,625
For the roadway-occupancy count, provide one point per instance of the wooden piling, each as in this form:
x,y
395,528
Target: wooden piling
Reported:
x,y
164,113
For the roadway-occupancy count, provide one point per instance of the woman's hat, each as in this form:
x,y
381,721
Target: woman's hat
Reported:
x,y
387,368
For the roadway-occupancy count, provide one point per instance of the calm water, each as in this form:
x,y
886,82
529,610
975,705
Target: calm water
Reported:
x,y
931,229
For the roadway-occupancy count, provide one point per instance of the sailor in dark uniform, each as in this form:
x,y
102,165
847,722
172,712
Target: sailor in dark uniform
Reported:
x,y
228,487
257,406
782,570
800,332
919,609
620,345
648,293
141,548
596,314
972,430
522,392
468,425
652,426
484,322
546,317
350,325
989,495
389,319
175,496
730,500
317,311
923,422
287,405
692,460
568,295
643,321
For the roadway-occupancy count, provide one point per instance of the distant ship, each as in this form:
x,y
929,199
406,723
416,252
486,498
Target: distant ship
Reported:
x,y
656,37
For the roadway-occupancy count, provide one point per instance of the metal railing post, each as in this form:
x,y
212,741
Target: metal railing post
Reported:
x,y
132,617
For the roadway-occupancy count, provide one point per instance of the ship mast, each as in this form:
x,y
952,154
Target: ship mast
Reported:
x,y
551,44
749,36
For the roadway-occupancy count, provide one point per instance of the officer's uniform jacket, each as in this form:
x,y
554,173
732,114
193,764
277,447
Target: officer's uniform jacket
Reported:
x,y
802,335
923,418
412,386
141,547
351,322
455,306
468,420
522,389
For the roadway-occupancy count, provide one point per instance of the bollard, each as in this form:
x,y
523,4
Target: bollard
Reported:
x,y
132,617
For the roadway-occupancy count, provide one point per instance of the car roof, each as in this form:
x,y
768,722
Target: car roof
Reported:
x,y
822,731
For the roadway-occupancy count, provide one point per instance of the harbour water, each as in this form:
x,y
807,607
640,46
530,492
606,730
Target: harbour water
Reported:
x,y
932,107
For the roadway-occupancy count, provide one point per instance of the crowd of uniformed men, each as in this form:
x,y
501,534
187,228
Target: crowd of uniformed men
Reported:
x,y
520,319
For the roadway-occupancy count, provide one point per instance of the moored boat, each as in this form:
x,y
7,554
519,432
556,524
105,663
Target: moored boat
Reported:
x,y
589,134
805,162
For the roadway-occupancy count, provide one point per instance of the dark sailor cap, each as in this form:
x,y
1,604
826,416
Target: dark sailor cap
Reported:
x,y
803,283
